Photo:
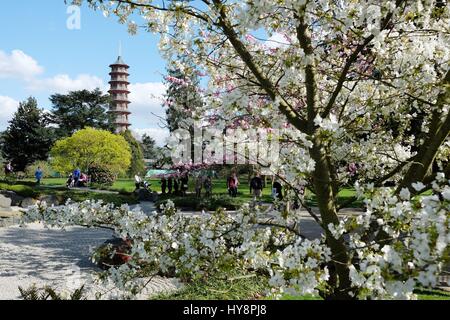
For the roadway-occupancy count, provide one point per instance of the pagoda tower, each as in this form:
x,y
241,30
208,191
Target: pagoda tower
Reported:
x,y
119,95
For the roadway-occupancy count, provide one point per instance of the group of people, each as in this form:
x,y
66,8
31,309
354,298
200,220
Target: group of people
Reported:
x,y
174,185
141,183
77,179
203,182
256,186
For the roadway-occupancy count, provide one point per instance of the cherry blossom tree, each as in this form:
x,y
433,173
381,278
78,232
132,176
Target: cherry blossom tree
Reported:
x,y
363,89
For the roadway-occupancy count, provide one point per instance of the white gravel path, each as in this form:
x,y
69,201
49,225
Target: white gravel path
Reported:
x,y
55,257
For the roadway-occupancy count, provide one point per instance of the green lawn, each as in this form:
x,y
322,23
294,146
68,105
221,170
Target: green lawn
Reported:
x,y
124,186
251,287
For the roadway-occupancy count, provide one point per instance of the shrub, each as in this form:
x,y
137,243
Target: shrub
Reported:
x,y
211,204
101,176
44,165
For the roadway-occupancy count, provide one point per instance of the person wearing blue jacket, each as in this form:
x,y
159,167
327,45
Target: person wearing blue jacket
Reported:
x,y
38,175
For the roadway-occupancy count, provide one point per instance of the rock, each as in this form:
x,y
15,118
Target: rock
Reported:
x,y
5,202
51,200
28,202
15,198
144,195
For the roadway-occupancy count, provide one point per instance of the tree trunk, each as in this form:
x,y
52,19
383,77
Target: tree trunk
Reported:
x,y
339,275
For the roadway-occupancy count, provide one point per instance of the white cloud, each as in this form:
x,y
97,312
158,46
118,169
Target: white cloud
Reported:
x,y
18,65
7,108
159,134
63,83
277,40
146,98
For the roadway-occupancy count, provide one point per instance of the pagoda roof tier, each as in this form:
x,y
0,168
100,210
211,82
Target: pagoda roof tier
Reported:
x,y
119,81
119,112
120,62
118,73
118,91
122,123
121,100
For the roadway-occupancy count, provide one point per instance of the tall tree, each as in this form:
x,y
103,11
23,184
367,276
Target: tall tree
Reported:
x,y
80,109
28,137
335,73
149,148
137,165
181,99
91,148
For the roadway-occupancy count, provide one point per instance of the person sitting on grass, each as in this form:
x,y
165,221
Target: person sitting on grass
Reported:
x,y
38,175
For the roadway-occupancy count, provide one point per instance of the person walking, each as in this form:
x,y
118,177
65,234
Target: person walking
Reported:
x,y
208,186
277,190
256,187
184,184
176,186
8,169
38,175
169,185
198,186
232,185
163,185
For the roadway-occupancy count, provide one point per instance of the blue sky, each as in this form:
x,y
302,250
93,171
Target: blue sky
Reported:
x,y
39,56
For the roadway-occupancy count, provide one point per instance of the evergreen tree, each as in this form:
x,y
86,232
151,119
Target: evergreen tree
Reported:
x,y
80,109
28,137
149,148
137,157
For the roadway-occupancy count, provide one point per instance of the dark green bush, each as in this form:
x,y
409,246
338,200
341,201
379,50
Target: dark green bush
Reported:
x,y
211,204
101,176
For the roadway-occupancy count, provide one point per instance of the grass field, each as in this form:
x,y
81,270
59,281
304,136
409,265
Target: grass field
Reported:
x,y
219,188
125,186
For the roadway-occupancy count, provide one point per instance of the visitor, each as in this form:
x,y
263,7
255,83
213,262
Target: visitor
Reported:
x,y
38,175
256,186
69,182
137,182
163,185
8,169
169,185
76,176
208,186
176,186
83,182
184,184
198,186
232,185
277,189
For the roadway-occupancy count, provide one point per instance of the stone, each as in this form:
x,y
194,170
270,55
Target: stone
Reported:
x,y
15,198
51,200
144,195
28,202
5,202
